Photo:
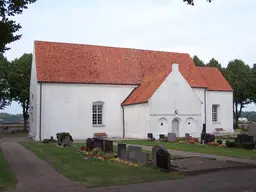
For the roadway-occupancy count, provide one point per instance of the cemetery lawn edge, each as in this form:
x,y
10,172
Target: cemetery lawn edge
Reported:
x,y
231,152
93,172
7,178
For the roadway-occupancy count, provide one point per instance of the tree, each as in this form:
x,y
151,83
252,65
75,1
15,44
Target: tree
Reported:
x,y
8,27
197,61
3,82
254,83
214,63
240,78
191,2
19,82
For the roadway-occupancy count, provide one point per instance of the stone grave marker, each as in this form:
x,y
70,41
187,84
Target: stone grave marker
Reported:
x,y
252,130
124,155
154,150
150,136
120,147
161,136
142,158
163,159
133,152
171,137
108,146
89,144
98,143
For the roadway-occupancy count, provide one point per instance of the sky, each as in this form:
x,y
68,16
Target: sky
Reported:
x,y
224,29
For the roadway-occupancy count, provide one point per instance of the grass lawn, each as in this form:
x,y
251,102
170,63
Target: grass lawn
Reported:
x,y
232,152
18,134
93,172
7,178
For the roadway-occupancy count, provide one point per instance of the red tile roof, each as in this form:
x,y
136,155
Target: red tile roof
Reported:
x,y
214,79
77,63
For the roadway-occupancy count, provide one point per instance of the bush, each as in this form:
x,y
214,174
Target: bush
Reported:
x,y
191,141
62,136
196,140
243,138
180,139
213,144
219,141
230,144
248,145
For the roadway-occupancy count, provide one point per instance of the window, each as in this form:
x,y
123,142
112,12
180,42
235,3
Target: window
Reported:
x,y
97,113
215,113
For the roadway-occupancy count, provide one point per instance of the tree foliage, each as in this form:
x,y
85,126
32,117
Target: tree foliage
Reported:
x,y
239,76
8,27
191,2
4,94
19,82
197,61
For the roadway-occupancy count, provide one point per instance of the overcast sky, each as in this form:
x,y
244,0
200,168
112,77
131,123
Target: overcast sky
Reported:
x,y
223,29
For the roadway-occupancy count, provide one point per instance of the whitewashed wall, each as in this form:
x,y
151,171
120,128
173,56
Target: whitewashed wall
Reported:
x,y
175,94
34,99
225,101
136,120
68,108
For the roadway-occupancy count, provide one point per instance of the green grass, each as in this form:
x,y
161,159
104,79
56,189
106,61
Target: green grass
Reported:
x,y
16,135
232,152
7,178
93,172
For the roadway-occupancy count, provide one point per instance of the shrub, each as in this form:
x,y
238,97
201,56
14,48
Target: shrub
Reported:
x,y
83,148
230,144
62,136
178,139
219,141
248,145
196,140
243,138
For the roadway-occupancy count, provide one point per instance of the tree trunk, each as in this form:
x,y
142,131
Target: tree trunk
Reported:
x,y
237,113
25,123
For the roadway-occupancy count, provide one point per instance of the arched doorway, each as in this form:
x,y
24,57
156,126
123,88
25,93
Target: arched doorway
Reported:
x,y
175,127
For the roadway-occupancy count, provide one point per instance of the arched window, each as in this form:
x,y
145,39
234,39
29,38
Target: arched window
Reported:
x,y
97,113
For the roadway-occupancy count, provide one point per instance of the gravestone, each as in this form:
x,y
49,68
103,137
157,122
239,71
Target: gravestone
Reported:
x,y
161,136
171,137
252,130
124,155
66,142
154,150
163,159
133,152
98,143
150,136
143,158
89,144
108,146
120,147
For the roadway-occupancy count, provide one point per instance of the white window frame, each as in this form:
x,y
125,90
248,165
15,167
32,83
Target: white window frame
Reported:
x,y
97,111
215,113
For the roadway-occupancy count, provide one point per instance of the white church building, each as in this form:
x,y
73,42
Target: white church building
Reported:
x,y
123,92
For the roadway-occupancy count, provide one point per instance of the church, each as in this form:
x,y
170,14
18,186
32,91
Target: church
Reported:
x,y
123,93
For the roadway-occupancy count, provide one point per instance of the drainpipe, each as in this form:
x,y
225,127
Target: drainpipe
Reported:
x,y
123,122
205,108
40,114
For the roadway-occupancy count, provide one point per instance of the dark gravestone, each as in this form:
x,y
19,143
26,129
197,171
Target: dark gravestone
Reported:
x,y
171,137
98,143
163,159
150,135
133,152
89,144
154,150
108,146
124,155
120,147
161,136
143,158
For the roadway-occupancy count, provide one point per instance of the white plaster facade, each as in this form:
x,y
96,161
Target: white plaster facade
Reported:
x,y
174,107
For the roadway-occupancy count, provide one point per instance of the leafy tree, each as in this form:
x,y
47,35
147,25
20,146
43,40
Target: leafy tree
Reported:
x,y
214,63
8,27
19,81
240,78
191,2
3,82
254,83
197,61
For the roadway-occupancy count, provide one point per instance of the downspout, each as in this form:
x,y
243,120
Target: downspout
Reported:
x,y
123,122
40,114
205,108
